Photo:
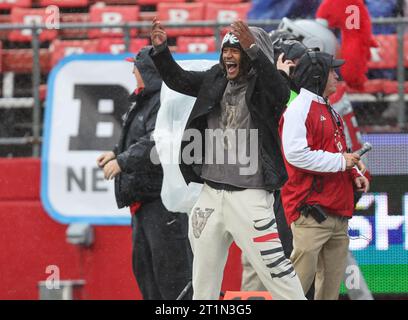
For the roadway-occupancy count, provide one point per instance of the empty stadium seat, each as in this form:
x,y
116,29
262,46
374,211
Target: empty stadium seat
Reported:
x,y
220,1
62,48
225,13
147,15
181,13
155,2
74,18
391,87
385,57
387,52
9,4
406,50
370,86
1,53
115,46
29,16
64,3
195,44
116,2
112,15
4,18
21,60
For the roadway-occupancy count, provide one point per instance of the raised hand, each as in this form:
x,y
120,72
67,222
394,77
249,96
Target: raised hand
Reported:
x,y
284,65
158,35
241,30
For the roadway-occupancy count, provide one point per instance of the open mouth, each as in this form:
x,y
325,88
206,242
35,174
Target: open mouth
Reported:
x,y
232,67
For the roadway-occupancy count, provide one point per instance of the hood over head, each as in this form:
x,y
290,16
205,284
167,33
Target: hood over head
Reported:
x,y
262,39
312,70
148,71
264,42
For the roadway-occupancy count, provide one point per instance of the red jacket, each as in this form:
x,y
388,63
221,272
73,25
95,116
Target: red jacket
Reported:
x,y
313,141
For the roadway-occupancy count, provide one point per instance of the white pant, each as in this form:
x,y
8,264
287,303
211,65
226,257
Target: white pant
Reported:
x,y
246,217
250,280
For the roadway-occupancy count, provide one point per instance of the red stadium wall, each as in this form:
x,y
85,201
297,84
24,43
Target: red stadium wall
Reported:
x,y
30,241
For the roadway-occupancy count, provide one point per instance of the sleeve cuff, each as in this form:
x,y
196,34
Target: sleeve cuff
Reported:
x,y
121,161
160,48
252,51
343,163
116,150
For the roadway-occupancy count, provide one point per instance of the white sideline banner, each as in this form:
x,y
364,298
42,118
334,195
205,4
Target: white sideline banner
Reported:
x,y
87,96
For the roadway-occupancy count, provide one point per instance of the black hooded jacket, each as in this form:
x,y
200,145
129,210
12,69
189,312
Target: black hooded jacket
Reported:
x,y
140,179
266,97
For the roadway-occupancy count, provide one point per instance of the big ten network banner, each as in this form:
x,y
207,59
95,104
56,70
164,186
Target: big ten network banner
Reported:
x,y
87,97
379,228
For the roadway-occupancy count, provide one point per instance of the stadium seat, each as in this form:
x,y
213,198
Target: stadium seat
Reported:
x,y
62,48
4,18
370,86
21,60
110,15
29,16
116,46
1,54
406,50
195,44
391,87
64,3
225,13
387,52
181,13
116,2
74,18
9,4
220,1
155,2
147,15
